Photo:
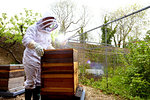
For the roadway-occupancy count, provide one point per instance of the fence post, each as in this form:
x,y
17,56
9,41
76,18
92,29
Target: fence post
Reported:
x,y
106,55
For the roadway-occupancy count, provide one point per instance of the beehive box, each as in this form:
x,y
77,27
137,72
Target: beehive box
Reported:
x,y
11,77
59,74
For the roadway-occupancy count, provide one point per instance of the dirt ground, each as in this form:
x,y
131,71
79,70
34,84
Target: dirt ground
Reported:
x,y
93,94
90,94
19,97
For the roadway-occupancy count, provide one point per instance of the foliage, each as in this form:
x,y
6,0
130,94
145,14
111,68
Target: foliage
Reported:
x,y
12,29
82,68
129,27
107,31
131,81
82,37
139,74
147,38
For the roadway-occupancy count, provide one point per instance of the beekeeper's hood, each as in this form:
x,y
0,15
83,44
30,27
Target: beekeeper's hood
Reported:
x,y
48,22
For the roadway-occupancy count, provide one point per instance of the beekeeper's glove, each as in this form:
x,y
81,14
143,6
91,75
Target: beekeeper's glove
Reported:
x,y
38,48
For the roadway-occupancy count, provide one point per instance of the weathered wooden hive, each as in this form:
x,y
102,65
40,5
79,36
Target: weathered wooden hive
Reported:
x,y
59,74
11,77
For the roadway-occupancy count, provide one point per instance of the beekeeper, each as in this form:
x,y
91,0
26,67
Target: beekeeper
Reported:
x,y
36,39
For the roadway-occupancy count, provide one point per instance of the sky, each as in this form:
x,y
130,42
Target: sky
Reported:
x,y
96,8
12,6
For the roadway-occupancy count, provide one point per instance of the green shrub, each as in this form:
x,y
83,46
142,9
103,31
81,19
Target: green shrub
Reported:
x,y
138,75
131,81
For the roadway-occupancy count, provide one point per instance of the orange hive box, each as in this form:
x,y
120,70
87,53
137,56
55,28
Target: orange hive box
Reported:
x,y
11,77
59,74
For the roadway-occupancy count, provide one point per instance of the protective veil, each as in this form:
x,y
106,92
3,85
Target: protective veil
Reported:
x,y
31,60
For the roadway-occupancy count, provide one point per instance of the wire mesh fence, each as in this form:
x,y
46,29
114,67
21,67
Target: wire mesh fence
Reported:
x,y
99,60
96,59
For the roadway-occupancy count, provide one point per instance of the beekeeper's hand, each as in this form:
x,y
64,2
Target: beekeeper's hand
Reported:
x,y
38,48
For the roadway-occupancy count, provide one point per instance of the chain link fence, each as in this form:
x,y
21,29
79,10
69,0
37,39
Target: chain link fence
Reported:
x,y
97,59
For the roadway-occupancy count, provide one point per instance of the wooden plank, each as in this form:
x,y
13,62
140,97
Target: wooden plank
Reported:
x,y
15,67
4,84
65,53
53,56
56,64
17,70
15,74
57,93
57,72
75,66
51,68
12,70
12,73
75,76
75,82
57,76
4,70
11,67
61,83
51,89
58,51
58,60
4,74
4,67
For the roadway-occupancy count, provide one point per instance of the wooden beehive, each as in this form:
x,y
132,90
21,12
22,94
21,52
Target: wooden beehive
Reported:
x,y
59,74
11,77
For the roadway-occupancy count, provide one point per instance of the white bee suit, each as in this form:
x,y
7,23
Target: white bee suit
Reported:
x,y
31,60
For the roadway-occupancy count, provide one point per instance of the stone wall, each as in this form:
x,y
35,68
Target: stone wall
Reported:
x,y
7,58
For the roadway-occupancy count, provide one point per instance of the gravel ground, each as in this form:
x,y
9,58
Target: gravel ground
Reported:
x,y
93,94
19,97
90,94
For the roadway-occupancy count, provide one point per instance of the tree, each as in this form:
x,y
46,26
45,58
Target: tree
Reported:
x,y
12,31
147,38
109,30
129,27
83,37
67,17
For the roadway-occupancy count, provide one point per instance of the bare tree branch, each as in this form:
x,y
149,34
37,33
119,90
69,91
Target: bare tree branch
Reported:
x,y
65,14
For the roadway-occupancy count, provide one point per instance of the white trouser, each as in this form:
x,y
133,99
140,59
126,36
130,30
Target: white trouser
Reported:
x,y
33,76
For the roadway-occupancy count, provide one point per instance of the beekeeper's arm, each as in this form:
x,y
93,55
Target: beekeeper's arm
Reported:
x,y
28,41
39,49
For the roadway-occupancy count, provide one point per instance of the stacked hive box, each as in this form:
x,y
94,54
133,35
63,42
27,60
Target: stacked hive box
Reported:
x,y
59,74
11,77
